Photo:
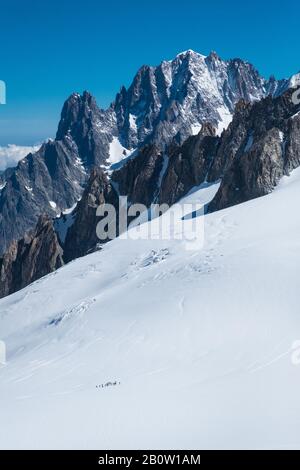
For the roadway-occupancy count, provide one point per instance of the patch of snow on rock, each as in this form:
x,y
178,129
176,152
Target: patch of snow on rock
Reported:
x,y
116,151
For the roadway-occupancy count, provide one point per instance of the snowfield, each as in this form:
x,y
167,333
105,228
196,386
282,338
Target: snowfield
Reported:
x,y
196,346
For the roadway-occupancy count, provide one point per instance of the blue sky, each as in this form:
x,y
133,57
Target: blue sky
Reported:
x,y
51,48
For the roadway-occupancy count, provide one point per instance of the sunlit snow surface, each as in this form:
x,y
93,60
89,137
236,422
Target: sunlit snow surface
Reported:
x,y
198,343
116,151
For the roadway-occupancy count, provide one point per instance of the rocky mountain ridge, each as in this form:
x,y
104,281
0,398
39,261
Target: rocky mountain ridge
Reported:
x,y
159,139
164,104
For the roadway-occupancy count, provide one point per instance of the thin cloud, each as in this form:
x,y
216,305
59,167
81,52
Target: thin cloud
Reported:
x,y
11,154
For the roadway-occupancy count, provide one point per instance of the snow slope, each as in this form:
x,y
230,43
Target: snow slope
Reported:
x,y
198,342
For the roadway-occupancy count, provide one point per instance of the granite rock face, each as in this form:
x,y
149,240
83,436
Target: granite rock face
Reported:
x,y
188,165
261,145
48,181
139,179
90,128
52,180
81,237
164,176
31,258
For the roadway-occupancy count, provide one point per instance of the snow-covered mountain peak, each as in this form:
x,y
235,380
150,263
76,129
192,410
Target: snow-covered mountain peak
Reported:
x,y
167,101
170,102
190,53
294,80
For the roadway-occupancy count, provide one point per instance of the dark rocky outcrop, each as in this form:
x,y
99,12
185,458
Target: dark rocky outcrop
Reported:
x,y
139,178
260,146
164,176
48,181
31,258
188,165
81,237
89,127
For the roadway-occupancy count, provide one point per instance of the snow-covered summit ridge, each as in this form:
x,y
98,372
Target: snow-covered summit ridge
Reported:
x,y
190,52
294,81
169,101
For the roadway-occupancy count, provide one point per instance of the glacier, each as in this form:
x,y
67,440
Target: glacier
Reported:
x,y
148,345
